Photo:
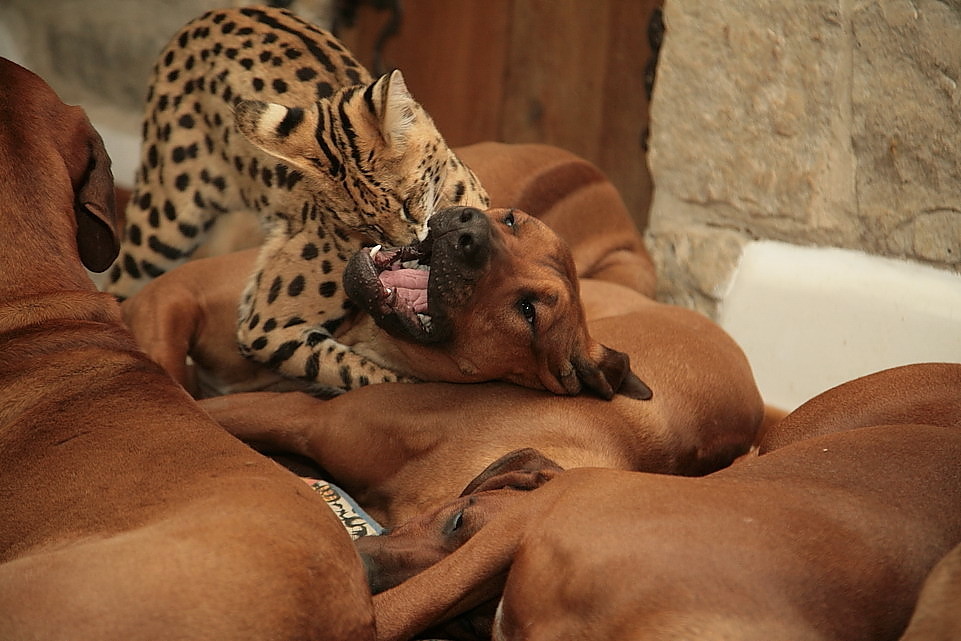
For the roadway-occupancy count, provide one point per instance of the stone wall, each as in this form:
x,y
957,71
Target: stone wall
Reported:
x,y
828,122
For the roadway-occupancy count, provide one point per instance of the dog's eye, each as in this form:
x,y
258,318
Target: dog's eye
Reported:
x,y
527,309
509,218
456,522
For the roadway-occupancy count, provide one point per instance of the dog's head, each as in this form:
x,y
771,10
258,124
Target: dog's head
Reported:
x,y
488,296
410,548
55,142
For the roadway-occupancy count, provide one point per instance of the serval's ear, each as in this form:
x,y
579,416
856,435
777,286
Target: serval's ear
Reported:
x,y
395,107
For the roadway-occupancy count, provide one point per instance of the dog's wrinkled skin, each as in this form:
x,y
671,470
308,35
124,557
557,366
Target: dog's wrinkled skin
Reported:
x,y
827,537
126,512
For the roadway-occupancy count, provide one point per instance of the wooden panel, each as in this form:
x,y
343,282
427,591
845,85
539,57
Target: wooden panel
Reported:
x,y
452,55
555,74
575,80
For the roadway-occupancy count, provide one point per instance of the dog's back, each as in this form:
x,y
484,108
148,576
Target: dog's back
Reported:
x,y
125,512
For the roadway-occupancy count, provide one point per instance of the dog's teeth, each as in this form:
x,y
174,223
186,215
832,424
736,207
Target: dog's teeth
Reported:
x,y
426,321
374,251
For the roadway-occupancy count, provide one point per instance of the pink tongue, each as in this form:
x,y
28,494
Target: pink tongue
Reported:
x,y
410,285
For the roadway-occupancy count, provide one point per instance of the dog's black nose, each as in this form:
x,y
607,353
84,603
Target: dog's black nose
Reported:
x,y
468,232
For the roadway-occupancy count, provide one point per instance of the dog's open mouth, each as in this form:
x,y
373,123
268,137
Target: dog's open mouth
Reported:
x,y
391,284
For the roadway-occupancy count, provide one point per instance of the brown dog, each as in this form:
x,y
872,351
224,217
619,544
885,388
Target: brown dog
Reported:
x,y
400,449
126,512
828,537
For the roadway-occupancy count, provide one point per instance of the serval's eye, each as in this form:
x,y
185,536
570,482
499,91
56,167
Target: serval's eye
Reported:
x,y
509,218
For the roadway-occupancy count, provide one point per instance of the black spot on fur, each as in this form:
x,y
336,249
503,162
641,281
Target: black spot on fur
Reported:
x,y
134,235
270,324
254,321
259,343
275,289
332,325
296,286
279,85
188,230
328,289
312,367
186,121
309,252
305,74
182,182
326,267
130,266
290,121
167,251
293,322
150,269
345,375
282,353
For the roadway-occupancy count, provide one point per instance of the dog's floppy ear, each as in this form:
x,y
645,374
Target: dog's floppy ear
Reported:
x,y
608,372
524,469
99,224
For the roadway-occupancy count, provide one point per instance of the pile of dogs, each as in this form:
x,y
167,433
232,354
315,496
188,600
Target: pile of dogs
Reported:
x,y
656,498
